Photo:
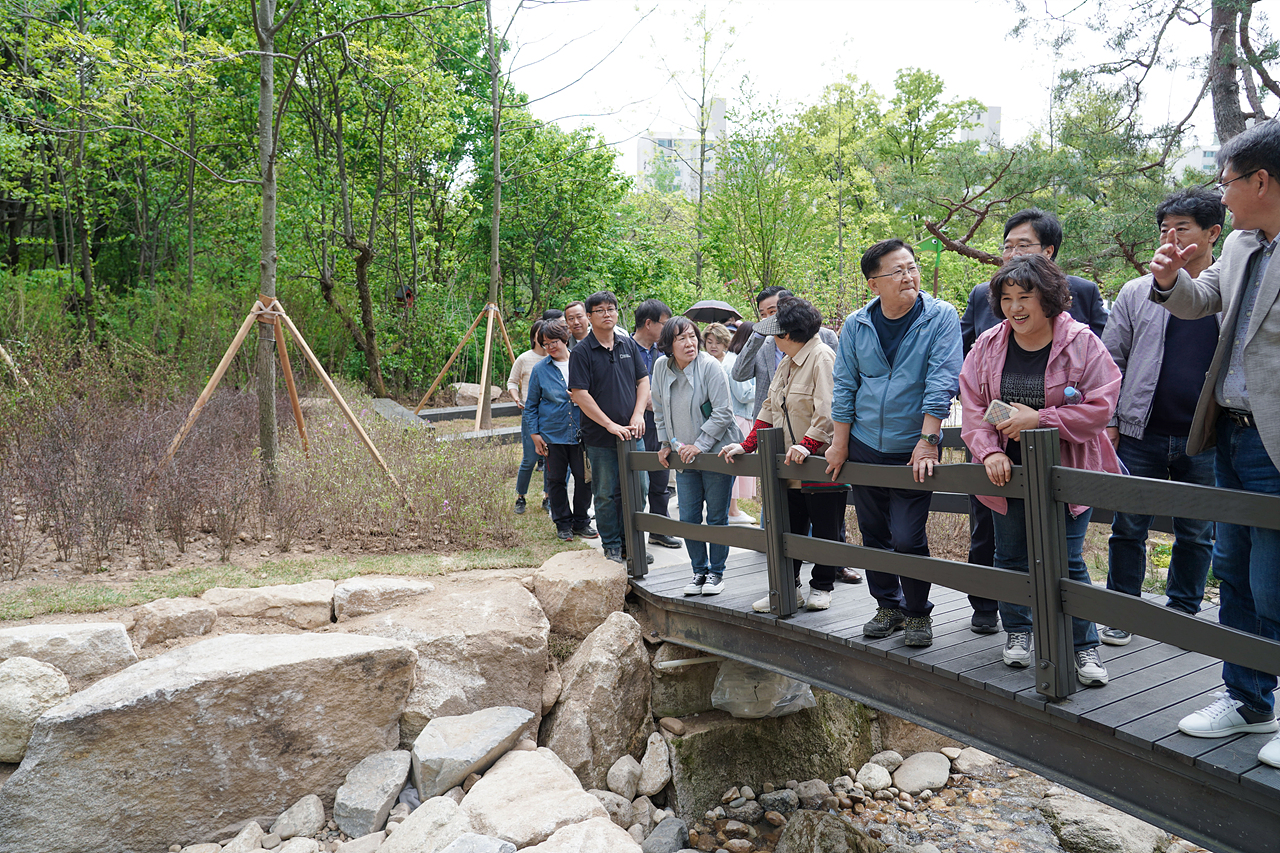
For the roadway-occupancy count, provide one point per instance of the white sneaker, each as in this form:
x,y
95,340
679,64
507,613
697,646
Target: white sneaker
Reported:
x,y
696,585
1017,649
1270,754
714,585
1089,668
741,518
1223,718
762,605
819,599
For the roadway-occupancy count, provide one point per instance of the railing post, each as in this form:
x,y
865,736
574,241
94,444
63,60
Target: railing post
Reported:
x,y
776,520
1047,561
632,502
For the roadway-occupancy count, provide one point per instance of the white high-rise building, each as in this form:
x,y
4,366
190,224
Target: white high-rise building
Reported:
x,y
670,162
986,132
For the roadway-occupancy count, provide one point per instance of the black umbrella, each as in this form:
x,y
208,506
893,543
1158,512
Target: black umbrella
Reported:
x,y
712,311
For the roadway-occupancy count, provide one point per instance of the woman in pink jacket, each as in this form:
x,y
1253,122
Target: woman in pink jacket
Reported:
x,y
1028,362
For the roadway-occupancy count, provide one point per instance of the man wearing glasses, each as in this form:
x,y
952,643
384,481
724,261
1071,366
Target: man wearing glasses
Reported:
x,y
609,383
1239,412
897,369
1027,232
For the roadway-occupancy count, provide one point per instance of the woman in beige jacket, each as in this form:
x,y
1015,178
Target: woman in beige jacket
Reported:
x,y
799,402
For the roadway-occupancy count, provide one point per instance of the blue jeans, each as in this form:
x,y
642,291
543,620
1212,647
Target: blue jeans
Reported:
x,y
705,487
1163,457
1011,553
1246,561
606,490
527,464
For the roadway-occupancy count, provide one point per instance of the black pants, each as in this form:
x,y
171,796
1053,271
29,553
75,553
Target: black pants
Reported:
x,y
982,548
822,513
893,520
659,481
562,458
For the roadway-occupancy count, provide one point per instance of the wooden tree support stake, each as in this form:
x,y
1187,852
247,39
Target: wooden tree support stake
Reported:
x,y
462,343
275,314
287,370
485,367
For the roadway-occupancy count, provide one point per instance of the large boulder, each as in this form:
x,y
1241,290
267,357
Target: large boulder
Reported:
x,y
924,770
815,743
80,652
819,832
431,827
365,799
468,393
300,605
362,596
190,744
604,701
479,645
170,618
451,748
578,590
591,836
527,796
1087,826
28,688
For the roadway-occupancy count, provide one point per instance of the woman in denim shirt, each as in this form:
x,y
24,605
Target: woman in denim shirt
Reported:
x,y
551,419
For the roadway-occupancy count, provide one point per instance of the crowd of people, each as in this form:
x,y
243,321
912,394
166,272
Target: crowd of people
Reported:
x,y
1177,381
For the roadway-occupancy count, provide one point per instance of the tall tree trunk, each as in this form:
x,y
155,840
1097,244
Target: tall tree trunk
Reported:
x,y
267,435
1224,67
495,222
371,358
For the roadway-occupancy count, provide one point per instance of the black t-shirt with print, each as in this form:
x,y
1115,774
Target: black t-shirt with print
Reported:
x,y
1022,381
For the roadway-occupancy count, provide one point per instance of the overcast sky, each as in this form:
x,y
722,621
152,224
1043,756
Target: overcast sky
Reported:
x,y
792,49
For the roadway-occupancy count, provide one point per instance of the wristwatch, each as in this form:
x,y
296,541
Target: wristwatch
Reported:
x,y
933,438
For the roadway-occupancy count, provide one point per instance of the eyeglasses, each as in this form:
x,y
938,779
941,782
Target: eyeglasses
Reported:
x,y
909,271
1222,185
1019,248
610,310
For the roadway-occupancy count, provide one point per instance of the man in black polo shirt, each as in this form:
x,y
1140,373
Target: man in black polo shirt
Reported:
x,y
609,383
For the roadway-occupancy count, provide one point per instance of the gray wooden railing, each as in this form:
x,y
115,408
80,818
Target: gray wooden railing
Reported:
x,y
1041,482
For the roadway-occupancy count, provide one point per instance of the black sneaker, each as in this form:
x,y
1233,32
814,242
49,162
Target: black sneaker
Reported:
x,y
885,622
985,623
664,540
520,505
614,554
587,532
918,631
564,534
1115,637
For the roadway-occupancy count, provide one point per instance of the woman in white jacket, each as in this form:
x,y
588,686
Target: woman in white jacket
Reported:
x,y
694,415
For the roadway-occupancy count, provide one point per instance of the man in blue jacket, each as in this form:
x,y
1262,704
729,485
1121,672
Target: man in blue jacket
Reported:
x,y
897,370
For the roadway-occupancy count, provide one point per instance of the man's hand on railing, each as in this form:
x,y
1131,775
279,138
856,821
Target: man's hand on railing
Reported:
x,y
923,458
836,457
999,468
731,450
687,452
664,453
619,431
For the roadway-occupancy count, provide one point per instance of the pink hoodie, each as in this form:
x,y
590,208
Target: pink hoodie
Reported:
x,y
1076,357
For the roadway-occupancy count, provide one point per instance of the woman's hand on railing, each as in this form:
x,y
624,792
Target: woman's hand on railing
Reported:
x,y
731,450
999,468
687,452
796,454
664,453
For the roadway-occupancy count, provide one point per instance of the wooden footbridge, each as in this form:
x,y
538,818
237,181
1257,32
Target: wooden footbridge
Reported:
x,y
1119,744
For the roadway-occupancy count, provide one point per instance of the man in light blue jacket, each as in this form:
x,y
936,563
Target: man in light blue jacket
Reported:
x,y
897,370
